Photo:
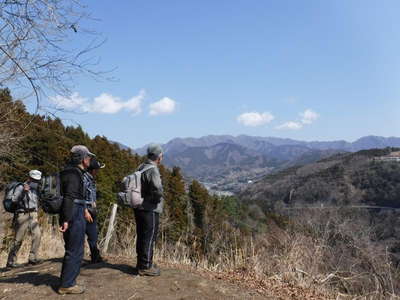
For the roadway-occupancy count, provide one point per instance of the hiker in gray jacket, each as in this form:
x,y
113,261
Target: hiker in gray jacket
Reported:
x,y
26,218
147,215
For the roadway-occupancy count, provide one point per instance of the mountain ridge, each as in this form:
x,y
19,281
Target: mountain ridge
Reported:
x,y
252,157
369,141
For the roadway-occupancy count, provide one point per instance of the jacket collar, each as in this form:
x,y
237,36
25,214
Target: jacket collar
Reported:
x,y
150,162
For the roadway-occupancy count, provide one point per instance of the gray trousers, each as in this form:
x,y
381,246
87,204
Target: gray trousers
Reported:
x,y
22,223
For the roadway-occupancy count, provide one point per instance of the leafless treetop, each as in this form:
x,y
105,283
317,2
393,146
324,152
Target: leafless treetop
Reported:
x,y
36,52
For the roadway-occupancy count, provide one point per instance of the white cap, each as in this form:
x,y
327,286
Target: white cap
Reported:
x,y
35,174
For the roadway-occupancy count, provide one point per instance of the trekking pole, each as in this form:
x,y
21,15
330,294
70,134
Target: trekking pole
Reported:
x,y
110,227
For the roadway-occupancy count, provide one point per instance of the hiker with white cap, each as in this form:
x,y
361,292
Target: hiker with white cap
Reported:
x,y
26,197
73,217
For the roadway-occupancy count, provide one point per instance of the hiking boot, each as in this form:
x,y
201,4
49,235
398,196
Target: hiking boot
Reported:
x,y
35,262
96,258
153,271
76,289
12,265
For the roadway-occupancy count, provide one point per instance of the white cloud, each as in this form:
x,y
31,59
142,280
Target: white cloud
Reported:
x,y
255,119
104,104
308,116
135,103
75,101
290,126
163,107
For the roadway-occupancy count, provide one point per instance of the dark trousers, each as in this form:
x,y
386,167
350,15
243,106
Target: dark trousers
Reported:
x,y
92,236
147,230
74,239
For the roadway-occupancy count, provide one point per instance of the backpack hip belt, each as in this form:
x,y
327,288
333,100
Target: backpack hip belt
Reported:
x,y
79,201
26,211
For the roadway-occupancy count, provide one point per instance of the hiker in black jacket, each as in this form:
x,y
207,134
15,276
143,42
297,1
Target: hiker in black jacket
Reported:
x,y
73,217
148,214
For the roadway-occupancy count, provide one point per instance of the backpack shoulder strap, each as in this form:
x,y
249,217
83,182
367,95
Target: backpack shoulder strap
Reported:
x,y
13,185
58,183
80,173
17,184
24,193
146,169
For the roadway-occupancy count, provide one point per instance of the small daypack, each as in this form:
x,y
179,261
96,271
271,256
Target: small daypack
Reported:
x,y
132,189
9,205
50,195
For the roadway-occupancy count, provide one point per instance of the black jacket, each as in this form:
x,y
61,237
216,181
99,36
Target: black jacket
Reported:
x,y
72,188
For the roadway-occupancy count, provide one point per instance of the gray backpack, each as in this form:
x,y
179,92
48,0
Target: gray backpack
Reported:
x,y
131,195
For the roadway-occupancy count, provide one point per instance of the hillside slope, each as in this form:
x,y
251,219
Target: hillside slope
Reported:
x,y
351,185
343,179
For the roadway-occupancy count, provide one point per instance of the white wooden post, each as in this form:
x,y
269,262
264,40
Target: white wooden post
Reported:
x,y
110,228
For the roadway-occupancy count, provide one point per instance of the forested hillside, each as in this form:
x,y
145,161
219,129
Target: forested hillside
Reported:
x,y
343,179
349,203
43,143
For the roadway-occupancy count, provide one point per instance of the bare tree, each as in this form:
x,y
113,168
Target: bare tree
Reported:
x,y
36,51
37,55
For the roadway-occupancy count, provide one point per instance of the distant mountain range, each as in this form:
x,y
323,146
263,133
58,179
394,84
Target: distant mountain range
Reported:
x,y
226,162
264,143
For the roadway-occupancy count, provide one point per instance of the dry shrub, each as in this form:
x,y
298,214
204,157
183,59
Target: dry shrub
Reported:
x,y
334,251
123,238
339,250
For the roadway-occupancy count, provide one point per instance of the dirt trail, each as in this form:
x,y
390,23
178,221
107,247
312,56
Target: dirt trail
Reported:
x,y
117,279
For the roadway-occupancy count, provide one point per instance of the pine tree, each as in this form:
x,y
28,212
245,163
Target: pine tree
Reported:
x,y
176,205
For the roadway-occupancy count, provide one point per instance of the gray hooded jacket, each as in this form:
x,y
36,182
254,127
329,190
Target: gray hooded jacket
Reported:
x,y
152,189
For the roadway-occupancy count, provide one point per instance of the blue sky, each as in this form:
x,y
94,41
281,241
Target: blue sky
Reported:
x,y
309,70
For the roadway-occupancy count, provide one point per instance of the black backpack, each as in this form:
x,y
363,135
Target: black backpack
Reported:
x,y
9,205
50,195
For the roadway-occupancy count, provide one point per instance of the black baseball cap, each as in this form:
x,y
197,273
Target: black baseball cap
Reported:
x,y
95,164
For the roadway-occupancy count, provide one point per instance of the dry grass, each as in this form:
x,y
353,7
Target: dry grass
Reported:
x,y
333,259
325,256
52,244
